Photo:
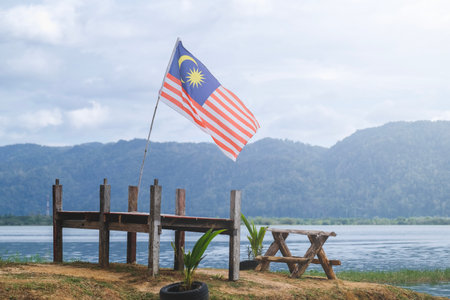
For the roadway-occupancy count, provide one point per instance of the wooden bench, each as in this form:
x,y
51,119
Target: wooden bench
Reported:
x,y
298,265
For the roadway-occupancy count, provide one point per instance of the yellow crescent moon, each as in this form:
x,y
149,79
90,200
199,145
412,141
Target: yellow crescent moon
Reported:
x,y
186,57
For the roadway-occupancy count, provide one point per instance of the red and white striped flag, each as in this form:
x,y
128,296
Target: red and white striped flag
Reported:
x,y
192,90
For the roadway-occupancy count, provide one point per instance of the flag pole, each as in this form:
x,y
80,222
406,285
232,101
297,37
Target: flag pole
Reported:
x,y
153,118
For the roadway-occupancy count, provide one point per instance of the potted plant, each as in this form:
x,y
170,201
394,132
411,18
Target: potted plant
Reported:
x,y
188,288
255,238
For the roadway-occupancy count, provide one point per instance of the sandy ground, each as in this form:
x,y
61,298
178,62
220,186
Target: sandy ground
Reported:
x,y
252,284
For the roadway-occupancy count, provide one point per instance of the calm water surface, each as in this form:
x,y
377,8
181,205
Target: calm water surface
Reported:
x,y
360,248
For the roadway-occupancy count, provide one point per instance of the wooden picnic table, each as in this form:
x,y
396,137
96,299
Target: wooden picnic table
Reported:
x,y
298,265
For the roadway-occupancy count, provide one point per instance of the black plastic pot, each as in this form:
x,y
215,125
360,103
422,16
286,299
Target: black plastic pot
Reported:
x,y
172,292
248,264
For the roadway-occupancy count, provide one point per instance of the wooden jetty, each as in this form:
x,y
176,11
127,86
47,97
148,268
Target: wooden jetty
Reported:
x,y
152,223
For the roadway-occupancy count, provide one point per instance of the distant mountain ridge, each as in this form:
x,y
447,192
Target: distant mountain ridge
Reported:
x,y
398,169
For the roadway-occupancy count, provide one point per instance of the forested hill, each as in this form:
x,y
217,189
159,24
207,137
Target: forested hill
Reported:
x,y
399,169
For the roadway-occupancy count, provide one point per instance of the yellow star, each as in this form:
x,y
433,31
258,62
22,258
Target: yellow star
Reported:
x,y
195,77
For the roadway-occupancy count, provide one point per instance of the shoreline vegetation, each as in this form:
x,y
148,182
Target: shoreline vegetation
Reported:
x,y
37,220
353,221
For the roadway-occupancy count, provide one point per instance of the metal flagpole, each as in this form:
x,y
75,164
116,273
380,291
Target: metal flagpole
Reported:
x,y
153,118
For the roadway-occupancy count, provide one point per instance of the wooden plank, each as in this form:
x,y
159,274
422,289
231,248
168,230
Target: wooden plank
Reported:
x,y
138,222
294,259
79,215
180,210
129,227
304,232
235,236
195,224
132,214
333,262
154,229
131,235
105,204
278,237
57,228
131,217
81,224
193,219
289,260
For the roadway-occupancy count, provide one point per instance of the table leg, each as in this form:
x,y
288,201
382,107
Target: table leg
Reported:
x,y
280,239
271,251
316,245
326,264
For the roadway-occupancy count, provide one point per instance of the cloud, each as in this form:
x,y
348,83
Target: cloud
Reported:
x,y
312,71
51,23
91,116
299,69
440,115
33,62
314,123
251,8
428,15
40,119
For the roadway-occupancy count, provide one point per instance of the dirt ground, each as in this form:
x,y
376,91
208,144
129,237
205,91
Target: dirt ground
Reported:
x,y
120,281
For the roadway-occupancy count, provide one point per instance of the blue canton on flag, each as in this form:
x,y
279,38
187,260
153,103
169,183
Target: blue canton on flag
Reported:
x,y
194,92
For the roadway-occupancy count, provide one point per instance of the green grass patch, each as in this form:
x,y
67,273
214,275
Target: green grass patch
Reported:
x,y
389,277
17,258
398,277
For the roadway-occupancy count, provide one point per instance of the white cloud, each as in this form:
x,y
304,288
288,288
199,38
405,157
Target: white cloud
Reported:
x,y
33,62
314,124
53,22
250,8
298,69
41,119
91,116
422,14
441,116
32,21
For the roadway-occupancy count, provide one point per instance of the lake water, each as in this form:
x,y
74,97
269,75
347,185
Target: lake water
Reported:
x,y
359,248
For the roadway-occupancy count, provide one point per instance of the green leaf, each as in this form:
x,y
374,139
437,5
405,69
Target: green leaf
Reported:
x,y
193,259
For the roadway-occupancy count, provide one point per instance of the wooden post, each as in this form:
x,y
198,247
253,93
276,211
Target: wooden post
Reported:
x,y
154,228
131,236
57,229
235,237
103,244
180,210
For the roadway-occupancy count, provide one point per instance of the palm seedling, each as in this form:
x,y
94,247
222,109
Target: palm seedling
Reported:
x,y
255,238
193,258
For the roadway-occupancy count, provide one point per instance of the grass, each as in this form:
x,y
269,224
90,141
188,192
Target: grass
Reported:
x,y
17,258
390,277
80,280
398,277
40,285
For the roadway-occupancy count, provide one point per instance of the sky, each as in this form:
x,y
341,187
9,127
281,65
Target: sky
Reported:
x,y
78,71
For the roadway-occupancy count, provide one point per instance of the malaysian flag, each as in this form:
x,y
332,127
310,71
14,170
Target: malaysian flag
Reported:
x,y
194,92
